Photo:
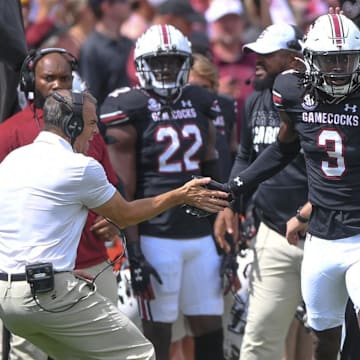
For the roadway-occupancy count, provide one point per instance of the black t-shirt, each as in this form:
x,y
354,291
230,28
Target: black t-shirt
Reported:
x,y
329,134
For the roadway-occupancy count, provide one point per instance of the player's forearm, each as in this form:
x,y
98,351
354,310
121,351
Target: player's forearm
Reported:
x,y
241,162
126,213
269,162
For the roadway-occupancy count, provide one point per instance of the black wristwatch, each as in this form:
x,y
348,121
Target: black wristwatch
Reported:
x,y
301,218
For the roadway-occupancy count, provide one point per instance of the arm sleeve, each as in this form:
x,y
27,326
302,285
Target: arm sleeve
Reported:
x,y
245,154
273,159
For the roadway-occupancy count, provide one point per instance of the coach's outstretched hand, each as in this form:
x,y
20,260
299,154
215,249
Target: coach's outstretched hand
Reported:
x,y
217,197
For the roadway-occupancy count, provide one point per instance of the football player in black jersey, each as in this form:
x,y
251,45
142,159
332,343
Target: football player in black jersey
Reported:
x,y
320,113
277,49
160,134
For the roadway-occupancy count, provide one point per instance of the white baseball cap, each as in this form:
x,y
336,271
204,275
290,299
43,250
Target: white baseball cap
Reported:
x,y
155,2
220,8
276,37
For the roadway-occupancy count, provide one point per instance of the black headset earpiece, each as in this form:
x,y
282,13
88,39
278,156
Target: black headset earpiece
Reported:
x,y
27,74
296,43
73,123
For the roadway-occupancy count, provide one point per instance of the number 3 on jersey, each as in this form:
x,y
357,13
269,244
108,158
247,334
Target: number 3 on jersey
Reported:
x,y
173,136
333,144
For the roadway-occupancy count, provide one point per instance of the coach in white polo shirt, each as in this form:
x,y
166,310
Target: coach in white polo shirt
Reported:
x,y
46,189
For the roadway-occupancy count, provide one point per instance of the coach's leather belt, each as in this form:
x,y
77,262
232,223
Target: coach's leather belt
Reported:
x,y
12,277
19,277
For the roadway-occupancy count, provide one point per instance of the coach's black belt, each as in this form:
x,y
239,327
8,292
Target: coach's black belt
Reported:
x,y
18,277
12,277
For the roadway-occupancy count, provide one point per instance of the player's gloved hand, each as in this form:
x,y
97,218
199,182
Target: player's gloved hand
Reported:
x,y
235,186
228,269
140,271
212,185
247,228
228,273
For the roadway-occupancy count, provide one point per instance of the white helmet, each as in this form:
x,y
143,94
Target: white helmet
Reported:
x,y
163,60
127,302
331,54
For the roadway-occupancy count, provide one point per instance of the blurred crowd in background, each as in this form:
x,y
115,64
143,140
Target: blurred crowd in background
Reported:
x,y
216,28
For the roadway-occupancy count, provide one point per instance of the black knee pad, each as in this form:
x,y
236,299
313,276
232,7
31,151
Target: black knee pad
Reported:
x,y
210,346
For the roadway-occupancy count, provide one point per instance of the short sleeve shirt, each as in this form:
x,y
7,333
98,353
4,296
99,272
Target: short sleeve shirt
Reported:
x,y
45,192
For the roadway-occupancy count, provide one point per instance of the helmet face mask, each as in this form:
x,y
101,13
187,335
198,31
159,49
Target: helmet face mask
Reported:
x,y
163,60
332,53
165,67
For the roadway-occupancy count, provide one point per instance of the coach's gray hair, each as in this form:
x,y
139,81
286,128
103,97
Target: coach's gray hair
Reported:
x,y
56,111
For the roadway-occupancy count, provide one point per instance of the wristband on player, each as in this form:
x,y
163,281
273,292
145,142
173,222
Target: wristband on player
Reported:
x,y
301,218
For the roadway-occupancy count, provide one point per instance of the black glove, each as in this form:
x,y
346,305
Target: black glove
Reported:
x,y
140,271
212,185
228,269
235,186
228,273
248,225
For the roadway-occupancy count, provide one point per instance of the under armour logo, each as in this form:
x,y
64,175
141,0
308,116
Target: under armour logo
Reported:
x,y
348,107
186,103
138,275
238,181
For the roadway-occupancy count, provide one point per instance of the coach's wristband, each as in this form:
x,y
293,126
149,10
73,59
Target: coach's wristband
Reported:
x,y
301,218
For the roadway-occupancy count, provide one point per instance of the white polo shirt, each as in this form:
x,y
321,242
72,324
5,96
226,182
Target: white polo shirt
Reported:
x,y
45,192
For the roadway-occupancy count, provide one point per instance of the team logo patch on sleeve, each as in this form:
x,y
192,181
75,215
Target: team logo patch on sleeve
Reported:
x,y
309,102
154,105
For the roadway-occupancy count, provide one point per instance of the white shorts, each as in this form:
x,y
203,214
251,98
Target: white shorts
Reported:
x,y
330,274
190,272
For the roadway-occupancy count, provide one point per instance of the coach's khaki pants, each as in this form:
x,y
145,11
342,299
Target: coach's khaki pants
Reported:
x,y
91,328
274,295
21,349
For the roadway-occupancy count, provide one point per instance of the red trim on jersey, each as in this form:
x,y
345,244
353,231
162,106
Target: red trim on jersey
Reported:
x,y
165,34
277,98
109,119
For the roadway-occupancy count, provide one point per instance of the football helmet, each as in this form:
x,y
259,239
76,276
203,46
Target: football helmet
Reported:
x,y
127,302
331,55
162,60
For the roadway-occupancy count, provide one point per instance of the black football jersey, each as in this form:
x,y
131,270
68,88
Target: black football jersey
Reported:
x,y
171,144
330,138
